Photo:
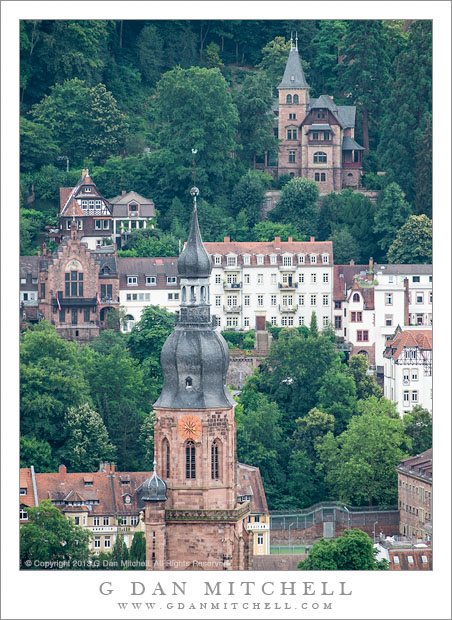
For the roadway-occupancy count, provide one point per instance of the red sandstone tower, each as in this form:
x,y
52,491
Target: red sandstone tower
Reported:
x,y
200,525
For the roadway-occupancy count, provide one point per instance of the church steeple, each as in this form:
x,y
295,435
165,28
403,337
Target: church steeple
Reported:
x,y
293,74
194,358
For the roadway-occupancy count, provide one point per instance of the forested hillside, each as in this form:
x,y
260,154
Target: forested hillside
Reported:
x,y
130,99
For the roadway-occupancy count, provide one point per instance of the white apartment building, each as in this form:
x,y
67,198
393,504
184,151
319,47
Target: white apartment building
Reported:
x,y
283,281
370,301
408,369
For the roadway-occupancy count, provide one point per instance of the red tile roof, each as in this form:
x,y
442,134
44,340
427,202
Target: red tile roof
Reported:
x,y
65,192
343,279
410,559
421,464
250,483
270,247
26,482
421,338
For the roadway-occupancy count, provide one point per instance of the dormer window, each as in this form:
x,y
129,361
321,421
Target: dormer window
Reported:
x,y
260,259
23,491
217,260
246,259
287,261
273,259
231,261
301,259
313,259
88,190
325,258
292,78
133,207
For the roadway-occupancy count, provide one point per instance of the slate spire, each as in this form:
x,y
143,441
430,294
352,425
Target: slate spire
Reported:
x,y
293,74
194,262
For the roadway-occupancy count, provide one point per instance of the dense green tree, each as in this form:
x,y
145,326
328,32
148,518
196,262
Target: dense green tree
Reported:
x,y
267,231
107,339
391,214
413,242
109,126
303,484
52,380
408,99
364,71
423,172
152,242
366,386
214,221
212,57
31,222
198,103
352,550
253,102
87,443
150,53
313,426
360,464
327,44
274,60
37,146
48,536
248,195
337,396
344,247
120,553
37,453
418,427
147,442
137,553
297,205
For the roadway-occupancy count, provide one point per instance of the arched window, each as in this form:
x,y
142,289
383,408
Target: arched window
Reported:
x,y
319,158
295,98
190,462
203,293
129,322
363,353
356,297
289,99
188,382
184,294
73,284
214,460
166,457
192,293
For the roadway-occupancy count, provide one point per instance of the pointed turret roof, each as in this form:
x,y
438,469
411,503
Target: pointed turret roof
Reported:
x,y
293,74
194,262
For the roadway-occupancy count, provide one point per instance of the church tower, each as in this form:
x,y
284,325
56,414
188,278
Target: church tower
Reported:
x,y
293,98
195,431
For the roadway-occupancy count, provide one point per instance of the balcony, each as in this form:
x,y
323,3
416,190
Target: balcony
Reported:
x,y
74,301
230,285
232,309
287,267
232,267
283,308
109,301
288,285
351,164
29,303
258,526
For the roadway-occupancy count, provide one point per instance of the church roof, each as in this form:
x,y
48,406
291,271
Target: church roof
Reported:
x,y
293,74
194,261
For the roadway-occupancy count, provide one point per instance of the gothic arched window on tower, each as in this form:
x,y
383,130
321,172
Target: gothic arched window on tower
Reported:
x,y
319,158
295,98
214,460
166,457
289,99
190,461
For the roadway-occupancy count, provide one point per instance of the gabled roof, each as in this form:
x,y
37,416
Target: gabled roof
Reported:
x,y
421,338
29,265
345,114
120,204
293,74
68,194
129,197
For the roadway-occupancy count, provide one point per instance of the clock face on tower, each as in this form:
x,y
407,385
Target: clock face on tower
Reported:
x,y
189,427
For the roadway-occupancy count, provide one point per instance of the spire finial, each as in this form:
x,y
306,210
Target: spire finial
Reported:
x,y
291,40
296,41
194,190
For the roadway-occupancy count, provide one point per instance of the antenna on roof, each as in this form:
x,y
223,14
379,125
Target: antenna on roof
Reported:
x,y
296,41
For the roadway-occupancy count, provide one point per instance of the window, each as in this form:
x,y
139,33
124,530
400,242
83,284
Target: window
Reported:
x,y
301,278
388,299
291,157
295,98
190,462
326,277
291,134
73,284
326,135
246,278
98,224
246,321
287,261
107,542
96,542
337,305
325,259
218,300
301,300
356,317
287,321
260,259
217,279
313,300
132,280
214,461
23,514
23,491
325,321
106,520
273,259
356,298
396,559
231,261
414,396
106,291
406,398
419,298
106,225
416,278
287,300
362,335
170,296
313,259
260,539
288,98
410,559
273,300
151,280
246,259
171,280
96,520
414,375
134,520
273,278
292,116
86,316
301,259
260,300
320,158
273,320
430,297
313,278
388,320
338,322
260,278
326,300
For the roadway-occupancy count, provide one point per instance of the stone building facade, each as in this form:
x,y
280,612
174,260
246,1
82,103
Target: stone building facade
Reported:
x,y
415,477
316,136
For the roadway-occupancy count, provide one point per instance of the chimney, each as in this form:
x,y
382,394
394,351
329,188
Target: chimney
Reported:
x,y
289,240
123,193
62,470
277,243
312,239
352,262
84,172
112,468
371,264
227,239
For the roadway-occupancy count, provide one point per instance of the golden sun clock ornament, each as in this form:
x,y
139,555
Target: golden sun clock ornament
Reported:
x,y
189,427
